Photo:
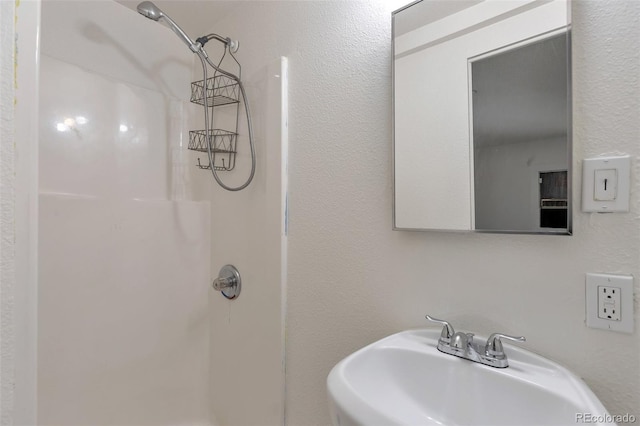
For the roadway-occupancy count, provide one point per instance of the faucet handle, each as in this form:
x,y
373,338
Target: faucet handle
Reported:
x,y
447,329
494,344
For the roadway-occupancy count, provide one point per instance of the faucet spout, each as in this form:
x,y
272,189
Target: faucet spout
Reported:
x,y
460,341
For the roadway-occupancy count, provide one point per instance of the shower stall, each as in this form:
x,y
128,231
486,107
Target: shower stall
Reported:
x,y
131,232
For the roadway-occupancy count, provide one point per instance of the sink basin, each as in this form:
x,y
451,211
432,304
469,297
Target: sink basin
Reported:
x,y
404,380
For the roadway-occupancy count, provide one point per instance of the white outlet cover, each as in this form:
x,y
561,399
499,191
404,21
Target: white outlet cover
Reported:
x,y
625,284
609,303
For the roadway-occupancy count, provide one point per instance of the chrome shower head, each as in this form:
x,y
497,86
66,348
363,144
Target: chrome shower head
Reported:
x,y
150,10
153,12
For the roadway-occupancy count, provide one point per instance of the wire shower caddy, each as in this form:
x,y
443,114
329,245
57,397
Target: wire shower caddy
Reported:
x,y
219,91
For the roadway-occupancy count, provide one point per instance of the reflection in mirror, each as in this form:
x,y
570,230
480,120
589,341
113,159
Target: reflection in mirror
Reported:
x,y
482,118
519,119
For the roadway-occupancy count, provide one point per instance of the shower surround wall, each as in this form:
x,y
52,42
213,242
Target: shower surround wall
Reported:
x,y
123,324
248,230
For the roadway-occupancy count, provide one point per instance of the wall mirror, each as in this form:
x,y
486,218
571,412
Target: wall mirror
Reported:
x,y
482,116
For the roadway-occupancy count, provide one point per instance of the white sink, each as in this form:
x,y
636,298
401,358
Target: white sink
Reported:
x,y
404,380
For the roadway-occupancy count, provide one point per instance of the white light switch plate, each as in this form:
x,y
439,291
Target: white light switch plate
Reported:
x,y
605,184
599,288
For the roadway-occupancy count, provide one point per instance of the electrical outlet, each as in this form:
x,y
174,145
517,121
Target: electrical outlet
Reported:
x,y
609,302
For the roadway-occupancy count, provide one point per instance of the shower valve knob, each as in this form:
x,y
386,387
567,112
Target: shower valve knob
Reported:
x,y
222,283
228,282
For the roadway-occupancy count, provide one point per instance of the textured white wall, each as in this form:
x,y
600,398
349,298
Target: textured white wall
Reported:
x,y
18,77
7,230
352,280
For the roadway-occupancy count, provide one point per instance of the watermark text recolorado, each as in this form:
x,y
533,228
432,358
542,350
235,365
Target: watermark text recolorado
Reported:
x,y
605,418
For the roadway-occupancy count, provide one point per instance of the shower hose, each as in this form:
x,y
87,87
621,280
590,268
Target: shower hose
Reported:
x,y
204,59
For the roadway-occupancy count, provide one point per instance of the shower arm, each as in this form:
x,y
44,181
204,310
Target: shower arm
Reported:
x,y
233,45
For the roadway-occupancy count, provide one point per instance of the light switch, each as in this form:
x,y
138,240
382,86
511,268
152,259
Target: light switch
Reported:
x,y
606,184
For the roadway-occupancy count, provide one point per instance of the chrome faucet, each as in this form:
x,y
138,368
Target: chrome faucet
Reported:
x,y
462,345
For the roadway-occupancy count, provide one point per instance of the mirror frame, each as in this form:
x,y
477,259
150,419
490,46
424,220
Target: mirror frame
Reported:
x,y
561,231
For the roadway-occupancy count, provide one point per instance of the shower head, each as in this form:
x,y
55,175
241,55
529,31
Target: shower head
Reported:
x,y
150,10
153,12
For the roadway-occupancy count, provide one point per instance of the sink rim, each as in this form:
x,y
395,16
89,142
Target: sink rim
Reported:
x,y
525,366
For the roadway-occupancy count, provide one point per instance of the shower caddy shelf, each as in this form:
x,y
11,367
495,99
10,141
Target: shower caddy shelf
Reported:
x,y
220,91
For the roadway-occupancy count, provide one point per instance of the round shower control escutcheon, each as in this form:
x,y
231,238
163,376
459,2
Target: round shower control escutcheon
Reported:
x,y
228,282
